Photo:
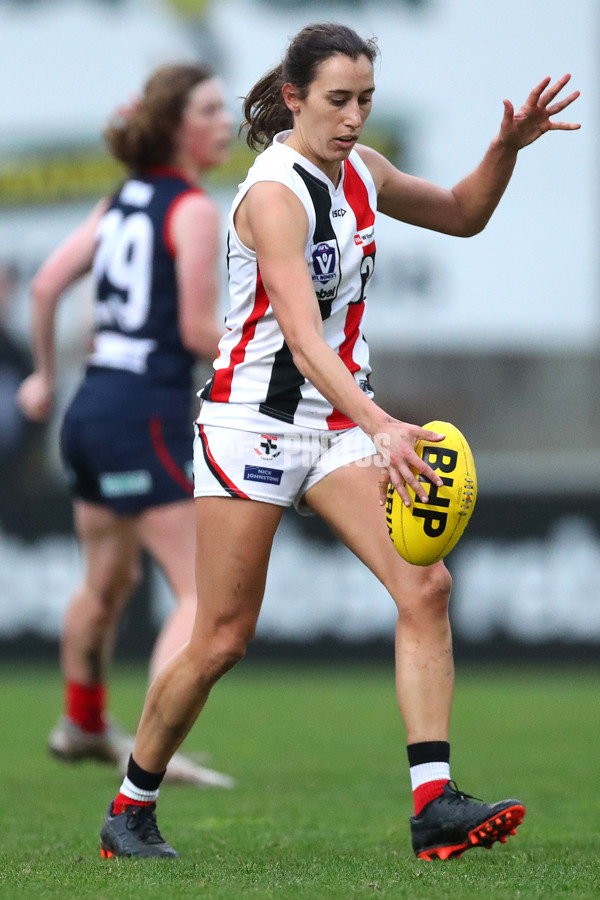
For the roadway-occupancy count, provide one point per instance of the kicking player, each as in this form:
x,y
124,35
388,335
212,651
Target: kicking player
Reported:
x,y
291,384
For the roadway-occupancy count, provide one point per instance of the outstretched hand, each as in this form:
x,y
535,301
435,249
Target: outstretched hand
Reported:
x,y
533,119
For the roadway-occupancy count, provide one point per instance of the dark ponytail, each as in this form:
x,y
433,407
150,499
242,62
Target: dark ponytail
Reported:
x,y
265,111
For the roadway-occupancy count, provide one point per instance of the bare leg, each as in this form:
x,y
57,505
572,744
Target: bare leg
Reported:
x,y
348,500
168,533
111,553
234,539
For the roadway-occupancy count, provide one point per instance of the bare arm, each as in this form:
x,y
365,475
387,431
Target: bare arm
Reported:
x,y
465,209
272,221
195,236
67,264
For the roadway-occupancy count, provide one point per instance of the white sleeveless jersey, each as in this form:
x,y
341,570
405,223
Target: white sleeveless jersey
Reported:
x,y
255,365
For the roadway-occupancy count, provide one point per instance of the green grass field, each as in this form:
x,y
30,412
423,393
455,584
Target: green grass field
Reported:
x,y
322,804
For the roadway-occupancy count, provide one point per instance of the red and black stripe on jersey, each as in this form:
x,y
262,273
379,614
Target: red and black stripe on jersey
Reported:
x,y
283,394
356,195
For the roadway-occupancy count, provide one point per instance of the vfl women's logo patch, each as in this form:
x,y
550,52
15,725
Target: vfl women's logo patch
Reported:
x,y
324,258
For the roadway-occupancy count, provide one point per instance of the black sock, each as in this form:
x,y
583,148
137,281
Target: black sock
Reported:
x,y
427,752
145,781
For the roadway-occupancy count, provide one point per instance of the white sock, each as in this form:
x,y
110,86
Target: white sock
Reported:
x,y
128,789
431,771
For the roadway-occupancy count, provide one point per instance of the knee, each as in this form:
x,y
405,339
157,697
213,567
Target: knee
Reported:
x,y
225,656
121,583
108,598
431,595
230,643
225,645
438,587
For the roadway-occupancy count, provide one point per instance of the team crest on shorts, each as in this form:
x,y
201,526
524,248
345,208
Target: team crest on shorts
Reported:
x,y
267,447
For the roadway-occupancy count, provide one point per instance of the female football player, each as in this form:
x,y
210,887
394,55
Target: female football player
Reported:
x,y
291,384
152,249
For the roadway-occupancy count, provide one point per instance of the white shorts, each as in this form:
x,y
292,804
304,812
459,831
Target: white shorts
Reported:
x,y
274,467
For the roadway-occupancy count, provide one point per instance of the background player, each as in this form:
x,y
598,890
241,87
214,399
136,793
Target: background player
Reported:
x,y
126,438
293,366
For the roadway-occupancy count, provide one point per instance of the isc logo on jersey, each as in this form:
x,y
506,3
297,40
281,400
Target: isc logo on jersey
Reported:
x,y
326,276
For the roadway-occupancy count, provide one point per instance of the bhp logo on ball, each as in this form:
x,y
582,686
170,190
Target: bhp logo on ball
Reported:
x,y
424,533
444,461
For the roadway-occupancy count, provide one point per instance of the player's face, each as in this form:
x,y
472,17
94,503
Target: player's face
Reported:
x,y
329,120
205,133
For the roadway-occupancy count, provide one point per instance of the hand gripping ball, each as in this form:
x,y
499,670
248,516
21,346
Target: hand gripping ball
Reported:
x,y
424,533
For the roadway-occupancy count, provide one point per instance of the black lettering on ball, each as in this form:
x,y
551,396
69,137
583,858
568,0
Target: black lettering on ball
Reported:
x,y
441,459
433,522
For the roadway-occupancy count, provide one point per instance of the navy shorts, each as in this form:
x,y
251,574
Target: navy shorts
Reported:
x,y
129,464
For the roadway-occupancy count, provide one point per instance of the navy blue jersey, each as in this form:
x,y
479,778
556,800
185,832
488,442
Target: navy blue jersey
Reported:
x,y
136,325
127,434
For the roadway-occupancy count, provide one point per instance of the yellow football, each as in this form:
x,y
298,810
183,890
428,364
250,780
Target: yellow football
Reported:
x,y
423,533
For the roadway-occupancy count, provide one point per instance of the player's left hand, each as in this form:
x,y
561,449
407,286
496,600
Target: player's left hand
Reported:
x,y
533,119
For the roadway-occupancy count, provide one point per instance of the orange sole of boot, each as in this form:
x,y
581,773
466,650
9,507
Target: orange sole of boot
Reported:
x,y
497,828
